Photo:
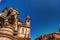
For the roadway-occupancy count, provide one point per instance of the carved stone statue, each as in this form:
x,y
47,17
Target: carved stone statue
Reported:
x,y
4,12
12,13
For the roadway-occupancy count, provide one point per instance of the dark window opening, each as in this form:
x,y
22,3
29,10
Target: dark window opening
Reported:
x,y
15,33
12,19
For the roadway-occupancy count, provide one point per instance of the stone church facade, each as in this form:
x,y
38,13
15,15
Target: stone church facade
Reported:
x,y
11,27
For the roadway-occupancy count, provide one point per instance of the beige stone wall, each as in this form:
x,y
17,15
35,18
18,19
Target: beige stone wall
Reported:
x,y
3,38
57,36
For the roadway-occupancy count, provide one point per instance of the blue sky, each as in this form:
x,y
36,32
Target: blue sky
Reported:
x,y
44,14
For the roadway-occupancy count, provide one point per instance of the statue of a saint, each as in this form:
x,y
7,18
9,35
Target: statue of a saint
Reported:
x,y
12,13
4,12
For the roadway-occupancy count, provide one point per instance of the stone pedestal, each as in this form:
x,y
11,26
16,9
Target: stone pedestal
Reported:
x,y
6,33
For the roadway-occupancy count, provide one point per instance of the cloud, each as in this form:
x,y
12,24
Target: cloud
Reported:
x,y
0,0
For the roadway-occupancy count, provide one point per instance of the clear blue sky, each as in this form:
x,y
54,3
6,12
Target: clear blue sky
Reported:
x,y
45,14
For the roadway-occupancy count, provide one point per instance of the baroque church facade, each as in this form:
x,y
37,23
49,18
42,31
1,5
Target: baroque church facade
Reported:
x,y
11,27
